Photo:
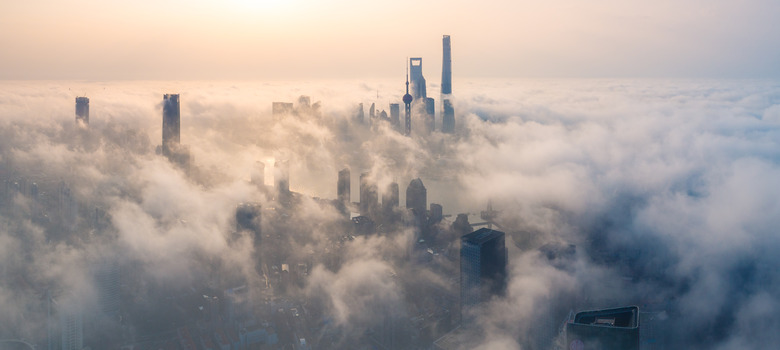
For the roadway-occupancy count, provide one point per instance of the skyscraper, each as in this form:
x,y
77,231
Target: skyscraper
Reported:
x,y
390,202
430,114
82,110
343,187
417,197
448,113
171,128
483,262
446,66
282,180
418,81
395,116
369,196
248,219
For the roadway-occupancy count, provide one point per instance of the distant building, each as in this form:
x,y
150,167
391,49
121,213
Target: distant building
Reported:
x,y
483,267
282,180
360,115
417,199
390,201
446,66
248,217
609,329
344,186
82,110
407,109
447,117
71,327
171,128
369,196
437,214
448,112
418,81
395,116
281,109
430,114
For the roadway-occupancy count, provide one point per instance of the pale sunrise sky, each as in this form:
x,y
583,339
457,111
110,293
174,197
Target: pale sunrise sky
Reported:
x,y
304,39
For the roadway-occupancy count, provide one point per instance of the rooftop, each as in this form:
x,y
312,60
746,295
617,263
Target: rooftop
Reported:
x,y
481,236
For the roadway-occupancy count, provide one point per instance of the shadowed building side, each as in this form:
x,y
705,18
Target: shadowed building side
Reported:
x,y
82,110
171,127
447,112
483,267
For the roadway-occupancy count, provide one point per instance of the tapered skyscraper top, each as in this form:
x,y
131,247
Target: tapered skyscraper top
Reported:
x,y
446,67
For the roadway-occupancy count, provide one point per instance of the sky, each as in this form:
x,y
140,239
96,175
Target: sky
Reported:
x,y
304,39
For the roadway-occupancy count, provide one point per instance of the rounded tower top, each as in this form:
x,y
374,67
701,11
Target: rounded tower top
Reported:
x,y
407,99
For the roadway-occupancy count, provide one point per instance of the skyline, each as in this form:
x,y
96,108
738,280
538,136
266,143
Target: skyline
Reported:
x,y
299,39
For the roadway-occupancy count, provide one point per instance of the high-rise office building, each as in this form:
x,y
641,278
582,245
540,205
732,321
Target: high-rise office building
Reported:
x,y
282,181
280,110
369,196
417,198
248,219
446,66
430,114
483,267
390,199
82,110
616,328
448,112
360,115
395,116
418,81
171,127
344,186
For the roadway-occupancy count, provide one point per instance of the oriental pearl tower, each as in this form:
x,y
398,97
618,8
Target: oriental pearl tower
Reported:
x,y
407,105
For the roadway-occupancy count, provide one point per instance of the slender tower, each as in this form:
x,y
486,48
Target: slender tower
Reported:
x,y
448,112
171,136
407,107
82,110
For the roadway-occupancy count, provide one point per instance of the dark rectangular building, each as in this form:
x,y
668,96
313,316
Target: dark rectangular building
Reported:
x,y
171,127
483,267
82,110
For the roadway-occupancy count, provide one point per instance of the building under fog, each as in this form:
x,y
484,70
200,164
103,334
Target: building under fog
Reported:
x,y
369,196
82,110
483,267
418,81
417,197
448,112
171,126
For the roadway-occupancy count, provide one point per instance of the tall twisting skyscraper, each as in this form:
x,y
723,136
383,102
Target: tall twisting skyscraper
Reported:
x,y
171,128
447,113
407,109
483,260
82,110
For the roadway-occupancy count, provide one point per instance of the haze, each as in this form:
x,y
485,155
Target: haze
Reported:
x,y
301,39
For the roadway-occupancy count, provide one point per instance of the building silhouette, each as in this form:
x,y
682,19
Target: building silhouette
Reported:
x,y
248,217
344,186
282,181
360,115
369,196
82,110
390,201
417,199
418,81
171,128
609,329
395,116
280,110
448,112
430,114
483,267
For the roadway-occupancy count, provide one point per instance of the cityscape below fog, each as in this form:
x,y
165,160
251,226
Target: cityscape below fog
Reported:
x,y
596,214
